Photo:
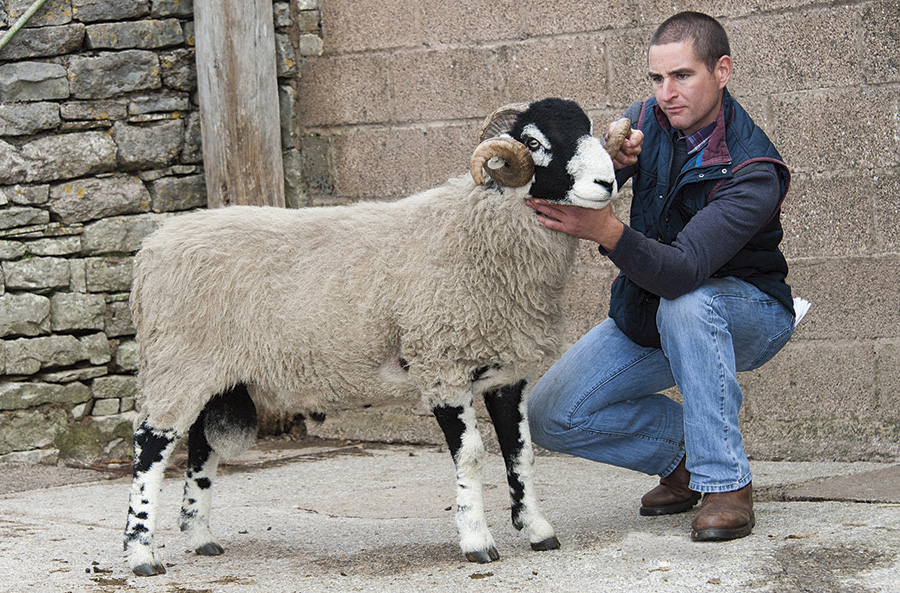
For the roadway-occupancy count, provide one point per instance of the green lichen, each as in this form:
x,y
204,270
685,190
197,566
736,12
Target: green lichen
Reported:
x,y
86,439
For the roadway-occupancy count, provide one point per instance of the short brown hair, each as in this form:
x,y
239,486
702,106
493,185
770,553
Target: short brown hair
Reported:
x,y
709,37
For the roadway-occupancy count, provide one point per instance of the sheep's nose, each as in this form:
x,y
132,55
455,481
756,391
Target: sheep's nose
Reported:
x,y
607,185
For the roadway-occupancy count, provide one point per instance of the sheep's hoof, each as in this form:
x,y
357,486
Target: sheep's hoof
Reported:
x,y
148,570
551,543
483,556
210,549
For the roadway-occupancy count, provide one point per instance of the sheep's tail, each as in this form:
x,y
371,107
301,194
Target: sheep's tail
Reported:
x,y
230,422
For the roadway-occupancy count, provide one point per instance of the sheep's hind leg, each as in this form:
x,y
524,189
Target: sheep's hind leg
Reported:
x,y
507,408
152,449
199,476
467,449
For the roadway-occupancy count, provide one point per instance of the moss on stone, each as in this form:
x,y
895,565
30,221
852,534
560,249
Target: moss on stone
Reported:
x,y
88,438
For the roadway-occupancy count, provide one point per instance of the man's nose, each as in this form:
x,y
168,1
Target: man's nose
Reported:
x,y
668,90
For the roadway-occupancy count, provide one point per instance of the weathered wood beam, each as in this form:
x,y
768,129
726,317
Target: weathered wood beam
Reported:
x,y
238,91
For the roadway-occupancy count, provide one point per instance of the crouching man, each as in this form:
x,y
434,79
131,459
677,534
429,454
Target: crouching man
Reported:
x,y
701,292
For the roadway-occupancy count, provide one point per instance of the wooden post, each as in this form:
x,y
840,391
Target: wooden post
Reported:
x,y
239,112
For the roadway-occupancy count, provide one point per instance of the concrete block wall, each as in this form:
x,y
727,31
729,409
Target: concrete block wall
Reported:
x,y
99,143
392,104
99,140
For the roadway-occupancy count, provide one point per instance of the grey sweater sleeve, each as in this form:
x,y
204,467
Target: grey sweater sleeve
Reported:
x,y
739,209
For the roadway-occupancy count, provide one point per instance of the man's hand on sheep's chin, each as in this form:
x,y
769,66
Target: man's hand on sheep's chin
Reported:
x,y
600,226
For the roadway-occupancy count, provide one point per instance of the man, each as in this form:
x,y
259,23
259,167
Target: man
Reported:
x,y
701,292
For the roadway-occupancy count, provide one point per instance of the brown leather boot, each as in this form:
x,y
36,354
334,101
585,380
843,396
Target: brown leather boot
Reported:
x,y
672,495
724,515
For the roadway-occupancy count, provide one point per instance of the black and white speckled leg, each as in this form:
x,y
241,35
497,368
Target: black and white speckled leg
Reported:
x,y
152,449
507,408
199,477
467,448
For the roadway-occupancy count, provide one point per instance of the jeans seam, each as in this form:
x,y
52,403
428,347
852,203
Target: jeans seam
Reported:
x,y
625,434
720,363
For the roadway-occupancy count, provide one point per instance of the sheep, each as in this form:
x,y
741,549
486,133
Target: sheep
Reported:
x,y
448,294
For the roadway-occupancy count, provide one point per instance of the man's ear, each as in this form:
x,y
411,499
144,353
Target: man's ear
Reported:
x,y
723,70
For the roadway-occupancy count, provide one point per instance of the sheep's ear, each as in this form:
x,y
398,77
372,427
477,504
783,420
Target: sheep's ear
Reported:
x,y
501,121
508,162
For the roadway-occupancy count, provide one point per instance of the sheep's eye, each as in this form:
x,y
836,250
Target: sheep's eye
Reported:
x,y
533,144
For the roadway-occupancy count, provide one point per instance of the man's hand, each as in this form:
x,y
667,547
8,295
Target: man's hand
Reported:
x,y
600,226
631,148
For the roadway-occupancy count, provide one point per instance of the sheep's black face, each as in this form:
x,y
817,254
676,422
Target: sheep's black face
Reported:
x,y
571,165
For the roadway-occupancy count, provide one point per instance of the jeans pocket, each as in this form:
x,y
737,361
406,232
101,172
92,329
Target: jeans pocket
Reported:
x,y
774,345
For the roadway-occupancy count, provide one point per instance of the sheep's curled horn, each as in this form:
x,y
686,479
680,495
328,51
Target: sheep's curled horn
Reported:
x,y
508,161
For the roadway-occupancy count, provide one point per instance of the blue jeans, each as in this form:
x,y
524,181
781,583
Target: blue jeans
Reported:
x,y
601,400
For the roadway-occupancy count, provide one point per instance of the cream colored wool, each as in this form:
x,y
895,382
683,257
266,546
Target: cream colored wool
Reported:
x,y
313,308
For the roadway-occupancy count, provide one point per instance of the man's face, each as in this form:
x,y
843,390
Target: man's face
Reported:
x,y
688,93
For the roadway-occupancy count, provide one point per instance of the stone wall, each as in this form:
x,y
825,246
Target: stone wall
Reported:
x,y
99,143
393,103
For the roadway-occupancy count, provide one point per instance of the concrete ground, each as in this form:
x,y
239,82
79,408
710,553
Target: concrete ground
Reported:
x,y
331,516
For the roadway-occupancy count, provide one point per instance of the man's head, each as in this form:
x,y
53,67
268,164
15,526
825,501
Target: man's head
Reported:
x,y
689,67
709,39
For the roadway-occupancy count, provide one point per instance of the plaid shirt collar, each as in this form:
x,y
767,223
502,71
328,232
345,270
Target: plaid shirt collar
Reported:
x,y
697,140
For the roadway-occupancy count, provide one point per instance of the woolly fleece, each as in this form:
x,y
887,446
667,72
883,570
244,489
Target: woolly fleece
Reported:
x,y
315,308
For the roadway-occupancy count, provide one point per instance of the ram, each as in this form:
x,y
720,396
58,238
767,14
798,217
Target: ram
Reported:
x,y
449,294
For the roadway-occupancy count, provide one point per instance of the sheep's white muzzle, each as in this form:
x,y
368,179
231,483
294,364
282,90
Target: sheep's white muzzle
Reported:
x,y
594,175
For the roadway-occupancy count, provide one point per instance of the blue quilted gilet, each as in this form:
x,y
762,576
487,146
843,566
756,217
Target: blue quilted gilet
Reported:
x,y
660,212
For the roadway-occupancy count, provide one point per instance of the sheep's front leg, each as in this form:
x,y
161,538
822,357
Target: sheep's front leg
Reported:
x,y
199,477
152,449
467,449
507,408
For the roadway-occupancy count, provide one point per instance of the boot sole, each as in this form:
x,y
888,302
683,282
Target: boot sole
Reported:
x,y
717,534
671,509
